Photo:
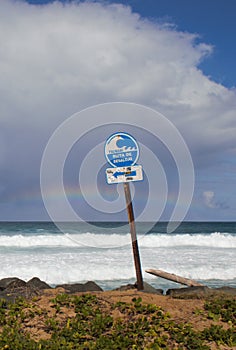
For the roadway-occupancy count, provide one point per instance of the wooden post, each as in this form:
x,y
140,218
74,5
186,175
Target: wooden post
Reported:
x,y
130,212
174,278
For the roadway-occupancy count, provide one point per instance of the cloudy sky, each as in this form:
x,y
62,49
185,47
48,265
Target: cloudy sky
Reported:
x,y
58,58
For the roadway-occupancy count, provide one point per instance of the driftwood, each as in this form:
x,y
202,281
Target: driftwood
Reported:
x,y
174,278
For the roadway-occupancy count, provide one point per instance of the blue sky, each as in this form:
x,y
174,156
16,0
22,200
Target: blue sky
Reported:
x,y
176,57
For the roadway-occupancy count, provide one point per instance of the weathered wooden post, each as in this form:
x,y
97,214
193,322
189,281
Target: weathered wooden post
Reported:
x,y
134,240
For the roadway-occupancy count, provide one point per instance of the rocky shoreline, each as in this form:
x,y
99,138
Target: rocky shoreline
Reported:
x,y
12,287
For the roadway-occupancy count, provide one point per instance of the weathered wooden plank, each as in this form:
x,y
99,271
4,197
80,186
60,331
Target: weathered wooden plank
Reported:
x,y
172,277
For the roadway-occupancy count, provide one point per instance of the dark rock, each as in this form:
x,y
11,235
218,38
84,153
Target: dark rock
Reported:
x,y
11,281
36,283
89,286
200,292
150,289
126,287
16,288
147,288
15,284
226,290
189,292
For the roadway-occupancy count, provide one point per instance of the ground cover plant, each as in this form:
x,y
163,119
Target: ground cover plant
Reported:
x,y
91,322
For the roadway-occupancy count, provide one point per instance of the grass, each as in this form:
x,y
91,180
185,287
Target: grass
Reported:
x,y
85,323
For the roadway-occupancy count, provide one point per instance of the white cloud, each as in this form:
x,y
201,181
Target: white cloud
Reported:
x,y
210,201
56,59
208,197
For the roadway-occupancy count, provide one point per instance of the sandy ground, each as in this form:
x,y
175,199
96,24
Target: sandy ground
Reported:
x,y
179,309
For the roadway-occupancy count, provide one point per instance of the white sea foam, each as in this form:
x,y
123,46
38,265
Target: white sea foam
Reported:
x,y
216,239
61,267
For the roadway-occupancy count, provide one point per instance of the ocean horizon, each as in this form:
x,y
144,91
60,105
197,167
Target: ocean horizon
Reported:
x,y
102,252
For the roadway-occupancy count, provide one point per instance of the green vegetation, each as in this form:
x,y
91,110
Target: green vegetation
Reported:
x,y
222,309
87,322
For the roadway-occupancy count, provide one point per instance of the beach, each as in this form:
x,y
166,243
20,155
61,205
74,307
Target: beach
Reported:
x,y
54,318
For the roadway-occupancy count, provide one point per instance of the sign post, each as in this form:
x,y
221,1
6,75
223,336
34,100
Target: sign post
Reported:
x,y
121,149
130,212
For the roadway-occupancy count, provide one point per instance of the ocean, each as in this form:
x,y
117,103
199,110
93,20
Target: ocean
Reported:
x,y
102,252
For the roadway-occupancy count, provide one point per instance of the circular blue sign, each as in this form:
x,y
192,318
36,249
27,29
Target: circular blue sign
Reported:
x,y
121,149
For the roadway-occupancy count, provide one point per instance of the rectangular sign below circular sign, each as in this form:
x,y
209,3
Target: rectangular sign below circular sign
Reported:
x,y
124,174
